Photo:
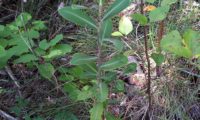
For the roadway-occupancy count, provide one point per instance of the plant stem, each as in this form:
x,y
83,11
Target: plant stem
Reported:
x,y
148,61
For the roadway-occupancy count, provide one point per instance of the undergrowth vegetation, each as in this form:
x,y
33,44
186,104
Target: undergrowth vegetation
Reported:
x,y
100,60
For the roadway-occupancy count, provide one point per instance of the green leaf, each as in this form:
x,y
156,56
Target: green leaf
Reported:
x,y
85,93
191,39
117,43
150,1
140,18
125,25
57,39
96,112
106,29
22,19
58,50
158,14
44,44
72,90
46,70
130,68
116,62
103,92
116,8
77,16
26,58
2,51
117,34
158,58
172,42
38,25
1,28
80,58
168,2
120,85
109,116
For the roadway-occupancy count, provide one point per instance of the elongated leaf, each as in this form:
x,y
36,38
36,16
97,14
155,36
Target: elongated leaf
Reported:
x,y
57,39
26,58
114,63
119,85
46,70
125,25
58,50
80,58
96,112
77,16
117,43
103,92
159,13
106,29
115,8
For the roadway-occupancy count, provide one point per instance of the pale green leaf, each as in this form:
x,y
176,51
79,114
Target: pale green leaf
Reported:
x,y
77,16
117,34
58,50
80,58
116,8
125,25
96,112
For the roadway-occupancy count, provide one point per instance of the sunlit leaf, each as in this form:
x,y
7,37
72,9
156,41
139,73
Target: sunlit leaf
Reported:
x,y
125,25
117,34
58,50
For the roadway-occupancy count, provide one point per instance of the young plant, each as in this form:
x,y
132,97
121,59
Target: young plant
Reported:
x,y
94,66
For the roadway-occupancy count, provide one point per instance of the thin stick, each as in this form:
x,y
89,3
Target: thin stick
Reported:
x,y
10,73
148,61
6,115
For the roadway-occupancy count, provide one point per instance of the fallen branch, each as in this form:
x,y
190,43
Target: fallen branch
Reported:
x,y
10,73
6,115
